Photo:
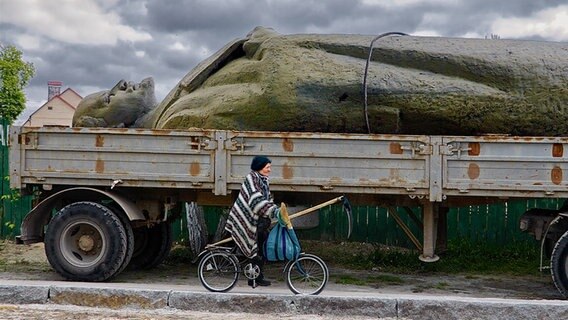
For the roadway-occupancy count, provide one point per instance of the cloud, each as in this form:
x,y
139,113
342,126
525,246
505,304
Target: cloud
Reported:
x,y
551,23
91,44
181,15
70,21
407,3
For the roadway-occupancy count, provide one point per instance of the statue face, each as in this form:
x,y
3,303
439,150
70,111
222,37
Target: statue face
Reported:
x,y
126,93
124,103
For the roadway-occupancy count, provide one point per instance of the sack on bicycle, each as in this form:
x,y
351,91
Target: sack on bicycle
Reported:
x,y
282,243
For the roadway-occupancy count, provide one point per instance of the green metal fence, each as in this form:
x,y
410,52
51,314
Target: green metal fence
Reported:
x,y
493,224
12,207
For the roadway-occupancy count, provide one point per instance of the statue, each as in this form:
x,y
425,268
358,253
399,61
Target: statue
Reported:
x,y
127,104
415,85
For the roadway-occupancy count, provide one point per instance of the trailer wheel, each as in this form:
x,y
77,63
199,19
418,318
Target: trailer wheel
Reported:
x,y
151,246
86,241
129,234
559,264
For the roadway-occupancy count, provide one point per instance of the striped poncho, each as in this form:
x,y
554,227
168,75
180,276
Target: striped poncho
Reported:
x,y
253,202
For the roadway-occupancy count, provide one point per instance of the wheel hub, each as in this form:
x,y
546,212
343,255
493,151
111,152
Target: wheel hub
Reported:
x,y
86,243
252,271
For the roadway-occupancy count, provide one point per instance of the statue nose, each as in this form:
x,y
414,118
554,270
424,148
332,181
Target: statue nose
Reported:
x,y
131,86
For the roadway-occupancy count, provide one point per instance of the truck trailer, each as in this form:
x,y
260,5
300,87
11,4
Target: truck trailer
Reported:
x,y
106,197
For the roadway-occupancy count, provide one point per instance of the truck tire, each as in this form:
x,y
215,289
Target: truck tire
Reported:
x,y
151,246
129,234
86,241
559,264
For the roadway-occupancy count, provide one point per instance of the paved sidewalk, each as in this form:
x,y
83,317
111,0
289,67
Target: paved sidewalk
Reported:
x,y
335,300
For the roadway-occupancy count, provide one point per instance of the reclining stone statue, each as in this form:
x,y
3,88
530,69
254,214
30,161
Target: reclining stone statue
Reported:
x,y
414,85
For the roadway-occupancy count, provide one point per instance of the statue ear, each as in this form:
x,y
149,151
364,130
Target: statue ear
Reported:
x,y
255,38
250,48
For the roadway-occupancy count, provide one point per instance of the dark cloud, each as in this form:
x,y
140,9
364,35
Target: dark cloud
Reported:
x,y
184,32
182,15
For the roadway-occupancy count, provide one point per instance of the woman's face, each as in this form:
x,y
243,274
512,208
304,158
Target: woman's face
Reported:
x,y
266,170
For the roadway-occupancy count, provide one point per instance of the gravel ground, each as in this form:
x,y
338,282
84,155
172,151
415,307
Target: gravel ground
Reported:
x,y
28,262
57,312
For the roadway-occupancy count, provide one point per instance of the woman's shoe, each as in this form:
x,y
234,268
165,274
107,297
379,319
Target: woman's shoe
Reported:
x,y
259,282
263,282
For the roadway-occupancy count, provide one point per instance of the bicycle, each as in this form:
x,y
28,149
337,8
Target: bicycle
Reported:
x,y
220,267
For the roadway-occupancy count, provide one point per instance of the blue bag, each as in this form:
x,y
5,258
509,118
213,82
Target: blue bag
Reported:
x,y
282,244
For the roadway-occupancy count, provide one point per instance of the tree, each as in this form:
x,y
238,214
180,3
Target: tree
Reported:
x,y
15,74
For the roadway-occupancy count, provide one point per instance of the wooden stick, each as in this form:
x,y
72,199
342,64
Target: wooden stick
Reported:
x,y
295,215
314,208
219,242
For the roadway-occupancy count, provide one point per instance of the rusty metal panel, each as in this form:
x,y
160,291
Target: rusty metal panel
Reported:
x,y
345,163
97,156
433,167
500,166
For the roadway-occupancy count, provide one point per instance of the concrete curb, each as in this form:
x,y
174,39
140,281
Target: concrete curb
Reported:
x,y
374,305
23,294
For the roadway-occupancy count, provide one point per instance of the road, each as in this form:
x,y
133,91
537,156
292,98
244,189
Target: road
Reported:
x,y
59,312
30,289
40,299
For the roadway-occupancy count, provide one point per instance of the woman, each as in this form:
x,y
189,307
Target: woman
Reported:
x,y
249,218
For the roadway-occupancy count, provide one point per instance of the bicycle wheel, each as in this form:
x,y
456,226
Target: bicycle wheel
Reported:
x,y
218,271
307,275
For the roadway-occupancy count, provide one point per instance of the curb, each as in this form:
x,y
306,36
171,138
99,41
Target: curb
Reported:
x,y
376,306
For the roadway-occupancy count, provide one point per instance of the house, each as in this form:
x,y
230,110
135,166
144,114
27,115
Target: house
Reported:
x,y
58,110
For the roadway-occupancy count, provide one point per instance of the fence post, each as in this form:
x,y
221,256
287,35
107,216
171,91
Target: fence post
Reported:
x,y
3,172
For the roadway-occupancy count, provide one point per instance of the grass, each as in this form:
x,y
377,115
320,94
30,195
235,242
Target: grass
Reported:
x,y
347,279
2,259
380,280
466,258
179,254
461,257
442,285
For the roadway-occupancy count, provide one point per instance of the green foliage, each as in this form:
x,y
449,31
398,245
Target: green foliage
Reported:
x,y
10,225
15,74
179,254
14,195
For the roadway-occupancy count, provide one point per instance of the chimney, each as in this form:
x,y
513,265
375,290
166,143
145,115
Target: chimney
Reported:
x,y
53,89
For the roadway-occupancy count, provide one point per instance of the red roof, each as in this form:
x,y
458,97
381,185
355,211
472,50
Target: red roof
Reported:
x,y
60,98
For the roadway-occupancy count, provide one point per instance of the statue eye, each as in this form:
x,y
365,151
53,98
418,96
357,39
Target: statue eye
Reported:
x,y
122,86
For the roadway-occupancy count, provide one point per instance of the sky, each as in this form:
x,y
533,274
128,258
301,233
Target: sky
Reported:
x,y
90,45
